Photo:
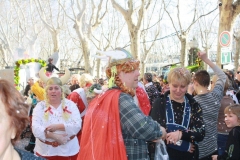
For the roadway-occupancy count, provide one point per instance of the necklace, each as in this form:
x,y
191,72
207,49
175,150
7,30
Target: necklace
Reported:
x,y
179,100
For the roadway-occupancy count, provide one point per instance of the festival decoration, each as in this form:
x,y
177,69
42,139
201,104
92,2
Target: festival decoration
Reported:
x,y
198,62
23,62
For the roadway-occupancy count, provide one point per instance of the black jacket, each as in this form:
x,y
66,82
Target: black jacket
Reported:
x,y
196,129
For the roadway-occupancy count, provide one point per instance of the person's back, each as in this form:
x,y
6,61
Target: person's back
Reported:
x,y
210,103
151,89
50,67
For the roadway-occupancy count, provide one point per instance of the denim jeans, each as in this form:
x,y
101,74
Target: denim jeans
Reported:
x,y
221,142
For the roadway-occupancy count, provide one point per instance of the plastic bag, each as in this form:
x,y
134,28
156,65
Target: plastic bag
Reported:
x,y
160,151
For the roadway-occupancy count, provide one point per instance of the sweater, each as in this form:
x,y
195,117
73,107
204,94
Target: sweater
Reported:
x,y
210,103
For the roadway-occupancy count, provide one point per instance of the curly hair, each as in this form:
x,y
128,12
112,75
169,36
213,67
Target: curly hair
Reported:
x,y
126,67
15,107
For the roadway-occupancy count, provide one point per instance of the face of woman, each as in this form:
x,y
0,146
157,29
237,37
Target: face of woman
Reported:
x,y
177,90
130,79
6,131
54,93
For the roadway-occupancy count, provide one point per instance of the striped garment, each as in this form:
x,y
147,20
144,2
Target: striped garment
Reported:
x,y
210,103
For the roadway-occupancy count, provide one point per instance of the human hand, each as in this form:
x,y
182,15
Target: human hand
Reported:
x,y
61,138
164,133
214,157
173,137
202,55
52,128
190,88
192,148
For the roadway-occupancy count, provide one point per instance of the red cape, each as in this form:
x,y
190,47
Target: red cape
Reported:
x,y
143,100
101,134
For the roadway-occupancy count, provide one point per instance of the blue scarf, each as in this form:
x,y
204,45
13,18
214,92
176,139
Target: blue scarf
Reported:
x,y
172,126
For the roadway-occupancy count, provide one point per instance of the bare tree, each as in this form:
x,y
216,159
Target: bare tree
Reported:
x,y
228,11
236,37
134,22
86,20
46,12
107,36
208,33
182,32
149,32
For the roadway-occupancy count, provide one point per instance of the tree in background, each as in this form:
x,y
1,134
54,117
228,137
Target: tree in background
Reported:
x,y
228,12
180,28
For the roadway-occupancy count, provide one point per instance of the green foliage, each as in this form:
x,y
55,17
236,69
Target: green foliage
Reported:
x,y
17,68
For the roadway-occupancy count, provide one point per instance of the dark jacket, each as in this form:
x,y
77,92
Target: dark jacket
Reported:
x,y
196,129
232,151
50,67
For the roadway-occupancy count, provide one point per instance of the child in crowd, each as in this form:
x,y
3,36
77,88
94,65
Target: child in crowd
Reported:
x,y
210,101
232,120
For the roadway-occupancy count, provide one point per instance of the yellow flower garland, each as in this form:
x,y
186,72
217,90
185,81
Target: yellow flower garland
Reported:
x,y
23,62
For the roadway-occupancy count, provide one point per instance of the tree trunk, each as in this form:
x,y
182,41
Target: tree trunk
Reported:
x,y
135,44
98,68
205,65
55,38
183,51
236,58
225,23
142,71
86,54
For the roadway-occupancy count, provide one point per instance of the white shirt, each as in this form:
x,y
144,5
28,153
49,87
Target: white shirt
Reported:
x,y
72,127
82,94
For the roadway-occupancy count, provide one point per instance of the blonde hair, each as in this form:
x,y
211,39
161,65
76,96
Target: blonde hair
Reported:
x,y
85,79
179,74
234,109
55,81
75,76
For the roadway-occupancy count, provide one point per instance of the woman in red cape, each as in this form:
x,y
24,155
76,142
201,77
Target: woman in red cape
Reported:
x,y
104,140
114,126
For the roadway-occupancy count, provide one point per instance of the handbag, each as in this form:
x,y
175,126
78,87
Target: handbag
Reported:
x,y
160,151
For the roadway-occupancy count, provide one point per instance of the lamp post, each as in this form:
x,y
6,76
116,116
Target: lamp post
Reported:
x,y
193,44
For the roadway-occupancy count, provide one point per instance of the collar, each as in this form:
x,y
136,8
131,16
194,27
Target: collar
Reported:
x,y
148,84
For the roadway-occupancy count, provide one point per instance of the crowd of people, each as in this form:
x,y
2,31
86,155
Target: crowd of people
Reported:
x,y
122,117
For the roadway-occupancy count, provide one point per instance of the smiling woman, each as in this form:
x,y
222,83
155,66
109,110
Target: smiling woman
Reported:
x,y
13,120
